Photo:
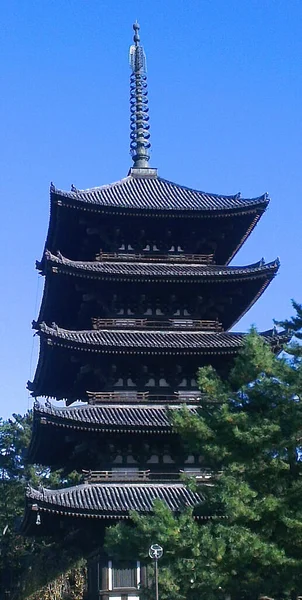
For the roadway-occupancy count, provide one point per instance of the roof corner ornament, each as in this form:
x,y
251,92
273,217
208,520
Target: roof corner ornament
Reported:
x,y
139,111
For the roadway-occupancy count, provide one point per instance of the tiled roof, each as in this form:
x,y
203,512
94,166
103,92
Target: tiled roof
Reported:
x,y
201,342
110,499
161,270
155,193
109,416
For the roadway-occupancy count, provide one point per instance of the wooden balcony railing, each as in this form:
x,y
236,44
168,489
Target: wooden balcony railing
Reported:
x,y
202,325
134,397
98,476
201,476
204,259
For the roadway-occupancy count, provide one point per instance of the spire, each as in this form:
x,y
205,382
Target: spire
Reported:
x,y
139,111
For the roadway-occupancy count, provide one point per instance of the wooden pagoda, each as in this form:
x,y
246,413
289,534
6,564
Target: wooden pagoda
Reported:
x,y
138,294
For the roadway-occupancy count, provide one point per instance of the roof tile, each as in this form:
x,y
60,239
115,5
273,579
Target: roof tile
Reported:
x,y
110,415
168,340
151,193
161,270
111,498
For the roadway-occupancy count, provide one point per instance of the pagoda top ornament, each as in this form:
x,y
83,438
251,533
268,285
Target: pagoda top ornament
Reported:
x,y
139,111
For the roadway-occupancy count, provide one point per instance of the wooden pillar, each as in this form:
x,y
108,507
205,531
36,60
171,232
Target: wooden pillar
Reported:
x,y
104,581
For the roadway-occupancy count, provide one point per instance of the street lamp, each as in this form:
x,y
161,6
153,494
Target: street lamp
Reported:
x,y
156,552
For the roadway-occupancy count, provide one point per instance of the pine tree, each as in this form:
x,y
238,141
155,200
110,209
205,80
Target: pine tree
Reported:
x,y
23,560
246,537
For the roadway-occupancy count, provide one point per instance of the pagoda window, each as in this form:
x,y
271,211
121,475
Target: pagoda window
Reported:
x,y
148,311
183,383
153,460
193,383
167,459
190,460
163,382
118,460
130,382
119,383
151,382
123,574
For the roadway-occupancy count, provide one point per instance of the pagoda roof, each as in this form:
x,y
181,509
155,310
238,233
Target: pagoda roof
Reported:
x,y
48,446
64,307
110,500
154,193
63,351
152,342
108,417
161,270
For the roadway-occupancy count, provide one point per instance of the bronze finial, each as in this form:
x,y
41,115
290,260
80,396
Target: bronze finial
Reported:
x,y
139,111
136,37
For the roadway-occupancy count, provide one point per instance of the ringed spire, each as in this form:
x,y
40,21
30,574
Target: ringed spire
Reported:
x,y
139,111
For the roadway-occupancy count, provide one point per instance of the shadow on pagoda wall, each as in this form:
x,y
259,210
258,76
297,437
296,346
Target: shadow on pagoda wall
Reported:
x,y
88,299
77,372
159,453
93,233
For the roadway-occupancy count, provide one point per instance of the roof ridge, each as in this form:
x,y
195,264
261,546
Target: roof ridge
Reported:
x,y
74,190
197,191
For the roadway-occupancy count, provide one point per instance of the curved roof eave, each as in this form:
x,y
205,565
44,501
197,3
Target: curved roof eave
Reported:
x,y
126,340
103,499
108,416
160,270
155,194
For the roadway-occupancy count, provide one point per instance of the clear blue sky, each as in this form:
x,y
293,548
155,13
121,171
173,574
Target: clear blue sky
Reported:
x,y
225,87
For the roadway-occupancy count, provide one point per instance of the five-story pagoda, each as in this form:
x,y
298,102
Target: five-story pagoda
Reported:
x,y
138,294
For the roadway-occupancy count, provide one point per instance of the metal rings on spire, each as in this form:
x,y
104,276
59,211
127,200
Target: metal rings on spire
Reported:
x,y
139,111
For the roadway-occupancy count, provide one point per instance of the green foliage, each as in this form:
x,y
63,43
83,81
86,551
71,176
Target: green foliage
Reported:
x,y
22,561
295,323
247,540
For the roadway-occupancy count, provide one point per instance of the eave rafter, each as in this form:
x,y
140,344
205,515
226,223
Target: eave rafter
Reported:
x,y
152,193
110,500
146,272
129,198
57,343
163,342
107,418
224,279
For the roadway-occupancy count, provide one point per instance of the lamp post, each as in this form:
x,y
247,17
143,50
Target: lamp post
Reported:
x,y
156,552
